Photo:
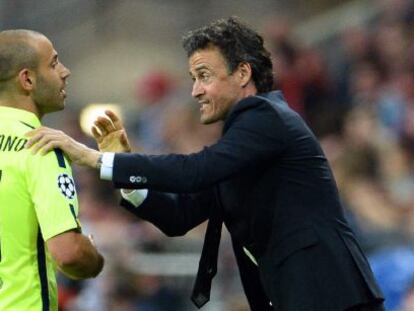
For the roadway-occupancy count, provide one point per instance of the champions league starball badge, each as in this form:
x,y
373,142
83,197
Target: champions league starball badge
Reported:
x,y
66,185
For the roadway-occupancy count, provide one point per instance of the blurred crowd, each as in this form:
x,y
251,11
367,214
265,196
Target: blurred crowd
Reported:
x,y
356,91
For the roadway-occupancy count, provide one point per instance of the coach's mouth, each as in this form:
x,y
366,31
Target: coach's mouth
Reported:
x,y
203,104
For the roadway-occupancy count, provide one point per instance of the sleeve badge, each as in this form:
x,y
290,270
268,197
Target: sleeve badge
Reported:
x,y
66,185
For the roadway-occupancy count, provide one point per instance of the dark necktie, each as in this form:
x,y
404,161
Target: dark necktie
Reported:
x,y
207,267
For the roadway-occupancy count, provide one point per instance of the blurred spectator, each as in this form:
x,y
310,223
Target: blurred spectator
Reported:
x,y
182,132
153,92
408,299
285,55
394,270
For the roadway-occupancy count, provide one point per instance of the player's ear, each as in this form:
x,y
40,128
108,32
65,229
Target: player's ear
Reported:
x,y
26,79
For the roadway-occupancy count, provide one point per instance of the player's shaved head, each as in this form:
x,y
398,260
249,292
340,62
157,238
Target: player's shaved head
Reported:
x,y
17,51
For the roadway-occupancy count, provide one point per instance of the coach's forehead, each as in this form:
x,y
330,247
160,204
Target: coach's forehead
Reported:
x,y
207,57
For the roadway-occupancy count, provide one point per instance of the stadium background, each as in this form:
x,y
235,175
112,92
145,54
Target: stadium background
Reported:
x,y
346,66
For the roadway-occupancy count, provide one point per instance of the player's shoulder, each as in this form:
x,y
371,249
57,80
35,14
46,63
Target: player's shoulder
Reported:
x,y
18,127
53,159
13,139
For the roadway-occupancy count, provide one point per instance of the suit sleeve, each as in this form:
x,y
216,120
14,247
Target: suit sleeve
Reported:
x,y
254,135
174,214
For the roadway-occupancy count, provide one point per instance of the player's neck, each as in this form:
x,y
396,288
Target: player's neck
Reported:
x,y
19,102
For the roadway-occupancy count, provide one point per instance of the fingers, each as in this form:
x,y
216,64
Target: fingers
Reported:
x,y
115,120
46,143
109,124
33,136
46,139
104,125
96,134
41,137
48,147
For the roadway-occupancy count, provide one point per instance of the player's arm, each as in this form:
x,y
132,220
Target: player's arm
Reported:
x,y
75,255
55,202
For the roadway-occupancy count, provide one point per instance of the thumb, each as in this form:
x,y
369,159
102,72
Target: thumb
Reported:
x,y
124,139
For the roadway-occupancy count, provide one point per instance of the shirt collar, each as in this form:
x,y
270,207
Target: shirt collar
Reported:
x,y
21,115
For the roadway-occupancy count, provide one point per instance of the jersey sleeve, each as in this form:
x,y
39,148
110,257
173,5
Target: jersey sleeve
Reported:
x,y
52,188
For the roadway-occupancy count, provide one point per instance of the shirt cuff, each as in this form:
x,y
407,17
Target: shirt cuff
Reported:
x,y
106,171
135,197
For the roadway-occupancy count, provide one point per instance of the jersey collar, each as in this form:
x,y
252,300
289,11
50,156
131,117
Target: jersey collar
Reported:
x,y
24,116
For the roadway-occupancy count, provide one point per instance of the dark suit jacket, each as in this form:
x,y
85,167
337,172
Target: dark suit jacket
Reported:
x,y
269,180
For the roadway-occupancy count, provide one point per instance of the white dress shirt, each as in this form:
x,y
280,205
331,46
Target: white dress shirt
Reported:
x,y
135,197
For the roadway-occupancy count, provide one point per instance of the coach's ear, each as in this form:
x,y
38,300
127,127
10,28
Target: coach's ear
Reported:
x,y
244,73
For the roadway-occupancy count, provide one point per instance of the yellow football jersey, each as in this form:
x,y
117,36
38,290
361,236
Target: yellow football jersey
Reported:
x,y
38,200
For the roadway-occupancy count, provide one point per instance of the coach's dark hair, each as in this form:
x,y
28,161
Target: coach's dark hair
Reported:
x,y
16,53
238,43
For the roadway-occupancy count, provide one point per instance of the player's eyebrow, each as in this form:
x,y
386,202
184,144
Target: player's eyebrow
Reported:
x,y
54,58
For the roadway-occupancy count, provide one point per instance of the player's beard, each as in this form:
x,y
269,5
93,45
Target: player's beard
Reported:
x,y
47,96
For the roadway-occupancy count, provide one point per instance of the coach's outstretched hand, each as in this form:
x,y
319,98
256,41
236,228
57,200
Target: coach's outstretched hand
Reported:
x,y
110,134
45,139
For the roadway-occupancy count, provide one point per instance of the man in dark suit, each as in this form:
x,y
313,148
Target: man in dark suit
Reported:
x,y
267,179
